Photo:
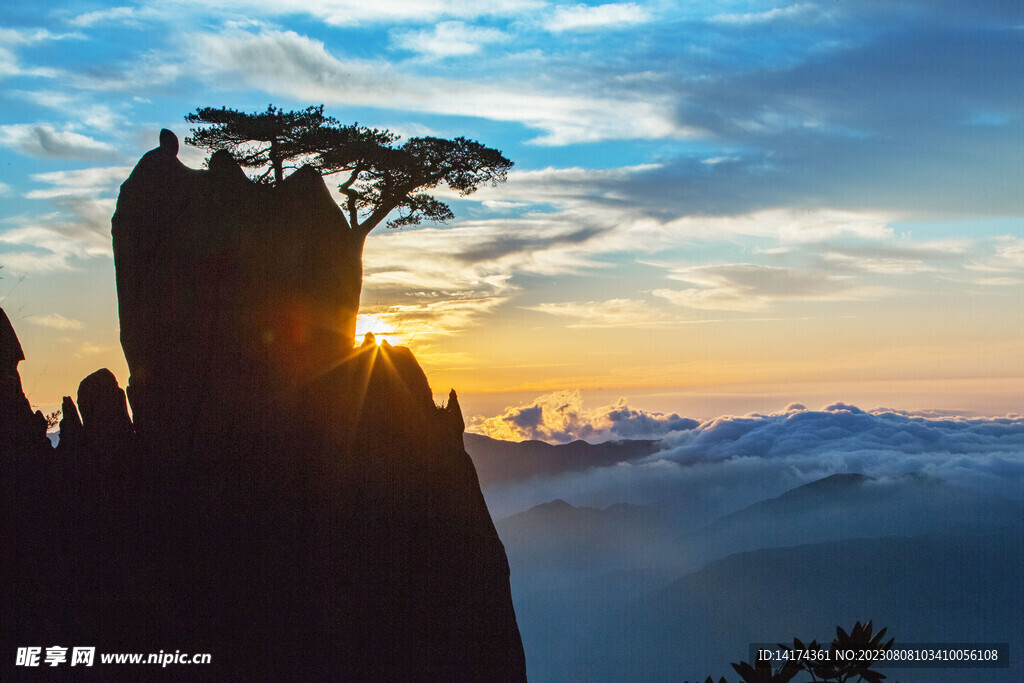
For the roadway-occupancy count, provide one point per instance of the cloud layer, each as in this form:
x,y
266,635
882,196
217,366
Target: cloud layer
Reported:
x,y
560,417
729,462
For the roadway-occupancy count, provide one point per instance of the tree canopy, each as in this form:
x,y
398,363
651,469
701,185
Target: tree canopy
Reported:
x,y
379,175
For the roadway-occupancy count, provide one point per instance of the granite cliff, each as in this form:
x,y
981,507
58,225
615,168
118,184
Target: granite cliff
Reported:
x,y
296,506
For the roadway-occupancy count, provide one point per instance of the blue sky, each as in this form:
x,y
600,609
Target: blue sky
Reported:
x,y
728,197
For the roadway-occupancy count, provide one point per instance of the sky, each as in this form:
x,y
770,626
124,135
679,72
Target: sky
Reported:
x,y
716,206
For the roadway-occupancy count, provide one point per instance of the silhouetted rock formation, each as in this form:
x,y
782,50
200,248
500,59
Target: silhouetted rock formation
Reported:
x,y
228,288
297,507
21,430
106,427
70,427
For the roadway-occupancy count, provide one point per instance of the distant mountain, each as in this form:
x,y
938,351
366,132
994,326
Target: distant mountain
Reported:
x,y
818,491
952,589
500,462
843,506
559,537
623,594
923,589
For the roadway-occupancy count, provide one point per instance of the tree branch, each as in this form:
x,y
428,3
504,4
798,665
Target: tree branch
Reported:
x,y
344,187
353,209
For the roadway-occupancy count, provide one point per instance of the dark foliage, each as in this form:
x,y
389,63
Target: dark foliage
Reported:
x,y
380,175
52,419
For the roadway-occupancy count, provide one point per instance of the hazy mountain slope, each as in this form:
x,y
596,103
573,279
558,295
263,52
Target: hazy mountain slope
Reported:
x,y
924,589
854,506
596,598
558,540
506,461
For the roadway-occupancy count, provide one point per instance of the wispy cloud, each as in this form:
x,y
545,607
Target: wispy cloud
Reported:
x,y
448,39
88,182
44,140
147,73
78,232
354,12
472,260
597,17
90,349
11,38
1011,252
805,11
55,321
631,313
750,287
77,108
111,15
423,321
30,36
285,63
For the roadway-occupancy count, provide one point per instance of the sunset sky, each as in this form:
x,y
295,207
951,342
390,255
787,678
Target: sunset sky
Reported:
x,y
716,206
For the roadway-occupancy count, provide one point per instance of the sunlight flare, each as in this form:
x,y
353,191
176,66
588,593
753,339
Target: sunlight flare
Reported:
x,y
382,330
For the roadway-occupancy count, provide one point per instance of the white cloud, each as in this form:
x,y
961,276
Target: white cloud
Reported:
x,y
998,281
560,417
80,231
596,17
471,258
110,15
633,313
22,262
1010,252
450,278
819,255
613,195
56,321
879,443
881,266
1003,260
802,12
750,287
30,36
90,349
500,205
43,140
352,12
80,182
831,252
76,108
448,39
9,38
143,74
566,183
46,98
286,63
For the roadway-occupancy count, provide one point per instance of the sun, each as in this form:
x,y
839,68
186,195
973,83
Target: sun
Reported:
x,y
382,330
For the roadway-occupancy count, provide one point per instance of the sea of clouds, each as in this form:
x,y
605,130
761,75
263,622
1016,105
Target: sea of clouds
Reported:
x,y
719,465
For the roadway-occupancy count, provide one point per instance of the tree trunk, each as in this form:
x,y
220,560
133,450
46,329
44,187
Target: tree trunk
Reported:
x,y
276,162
